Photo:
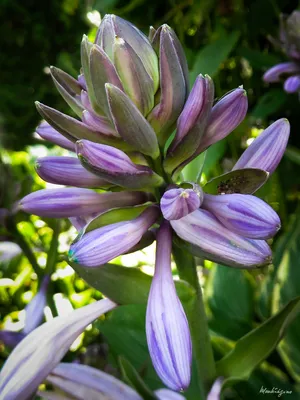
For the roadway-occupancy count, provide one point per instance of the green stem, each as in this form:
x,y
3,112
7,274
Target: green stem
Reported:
x,y
53,253
202,349
21,241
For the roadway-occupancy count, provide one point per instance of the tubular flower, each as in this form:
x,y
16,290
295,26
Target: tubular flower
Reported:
x,y
131,95
288,43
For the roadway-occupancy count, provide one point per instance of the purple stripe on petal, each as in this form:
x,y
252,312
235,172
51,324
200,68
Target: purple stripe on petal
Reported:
x,y
266,151
48,133
219,244
73,202
245,215
167,327
176,203
102,245
274,74
11,339
67,171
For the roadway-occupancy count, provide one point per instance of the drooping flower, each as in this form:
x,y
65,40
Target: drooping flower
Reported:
x,y
288,42
131,95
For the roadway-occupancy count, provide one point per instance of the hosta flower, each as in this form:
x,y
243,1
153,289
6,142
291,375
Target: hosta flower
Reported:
x,y
131,95
288,43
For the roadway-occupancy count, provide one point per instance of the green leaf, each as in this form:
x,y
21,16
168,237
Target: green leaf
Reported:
x,y
256,346
286,287
210,58
270,103
115,215
132,377
245,181
194,168
293,154
232,316
258,59
125,285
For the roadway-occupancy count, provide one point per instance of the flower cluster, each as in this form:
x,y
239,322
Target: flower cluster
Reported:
x,y
289,43
131,95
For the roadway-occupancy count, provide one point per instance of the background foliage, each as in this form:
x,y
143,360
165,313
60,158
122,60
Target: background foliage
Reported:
x,y
226,39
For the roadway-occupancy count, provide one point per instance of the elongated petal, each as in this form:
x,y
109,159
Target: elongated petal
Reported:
x,y
215,391
225,116
112,26
192,123
292,84
86,383
48,133
10,338
130,123
115,166
245,215
82,82
102,71
36,356
67,171
137,82
165,394
35,309
99,123
73,202
172,85
274,74
219,244
177,203
167,327
80,222
266,151
69,89
74,129
102,245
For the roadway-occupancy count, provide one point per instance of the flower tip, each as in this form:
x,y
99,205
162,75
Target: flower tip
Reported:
x,y
72,257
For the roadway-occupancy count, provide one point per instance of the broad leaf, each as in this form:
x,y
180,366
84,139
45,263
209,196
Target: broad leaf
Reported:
x,y
268,104
256,346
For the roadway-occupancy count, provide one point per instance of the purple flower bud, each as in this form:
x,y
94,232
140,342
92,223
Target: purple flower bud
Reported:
x,y
35,309
10,338
167,327
225,116
112,27
130,123
292,84
245,215
266,151
82,82
80,222
101,245
39,353
90,383
165,394
137,83
215,391
67,171
115,166
177,203
48,133
219,244
274,74
197,108
173,87
73,202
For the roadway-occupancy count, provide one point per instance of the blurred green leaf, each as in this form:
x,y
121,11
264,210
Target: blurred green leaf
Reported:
x,y
293,154
256,346
210,57
133,378
125,285
258,59
270,103
232,315
286,287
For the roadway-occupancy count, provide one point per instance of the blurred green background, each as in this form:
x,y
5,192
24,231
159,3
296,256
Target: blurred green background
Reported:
x,y
227,39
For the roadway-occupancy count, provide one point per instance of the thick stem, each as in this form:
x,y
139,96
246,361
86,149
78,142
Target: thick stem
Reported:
x,y
202,349
21,241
